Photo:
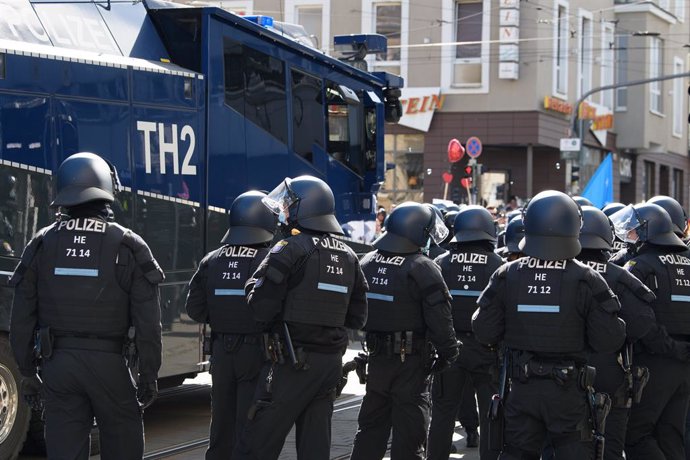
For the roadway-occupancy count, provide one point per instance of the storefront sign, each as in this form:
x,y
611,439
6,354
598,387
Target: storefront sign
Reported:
x,y
419,105
602,117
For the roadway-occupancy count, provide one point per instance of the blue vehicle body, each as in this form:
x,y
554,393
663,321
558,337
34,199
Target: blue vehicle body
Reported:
x,y
193,106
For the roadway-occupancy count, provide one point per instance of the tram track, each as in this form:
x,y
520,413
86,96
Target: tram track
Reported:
x,y
345,404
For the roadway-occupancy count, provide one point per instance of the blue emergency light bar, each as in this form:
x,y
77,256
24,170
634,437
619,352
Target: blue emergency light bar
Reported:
x,y
264,21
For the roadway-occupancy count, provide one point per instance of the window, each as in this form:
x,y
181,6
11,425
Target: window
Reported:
x,y
351,136
468,22
621,72
255,87
388,17
307,114
607,63
656,65
561,35
311,18
680,10
405,180
678,99
585,53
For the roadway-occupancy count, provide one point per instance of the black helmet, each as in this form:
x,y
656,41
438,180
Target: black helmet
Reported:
x,y
449,220
650,221
85,177
306,202
409,228
250,221
514,214
674,210
474,223
453,207
515,231
612,208
582,201
597,230
552,227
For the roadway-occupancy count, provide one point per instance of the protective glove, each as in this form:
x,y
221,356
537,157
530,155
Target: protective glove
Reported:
x,y
444,359
31,391
147,392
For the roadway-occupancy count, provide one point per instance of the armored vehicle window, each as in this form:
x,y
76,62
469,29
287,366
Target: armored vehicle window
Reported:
x,y
345,127
307,114
255,87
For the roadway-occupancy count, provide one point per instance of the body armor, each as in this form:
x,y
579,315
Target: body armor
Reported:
x,y
392,307
668,276
467,272
79,291
229,268
319,292
543,312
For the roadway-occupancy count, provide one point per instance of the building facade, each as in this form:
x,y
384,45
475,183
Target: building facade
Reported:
x,y
509,73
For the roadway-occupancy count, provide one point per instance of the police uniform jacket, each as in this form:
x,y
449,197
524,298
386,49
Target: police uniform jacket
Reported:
x,y
667,274
87,277
313,282
561,309
216,291
407,293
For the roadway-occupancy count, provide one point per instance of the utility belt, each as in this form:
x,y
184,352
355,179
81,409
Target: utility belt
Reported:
x,y
83,342
231,342
403,343
276,350
527,367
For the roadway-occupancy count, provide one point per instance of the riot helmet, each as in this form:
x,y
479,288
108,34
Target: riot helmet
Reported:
x,y
453,207
515,231
645,222
250,221
552,227
514,214
410,227
582,201
306,202
612,208
597,230
449,220
675,211
474,223
85,177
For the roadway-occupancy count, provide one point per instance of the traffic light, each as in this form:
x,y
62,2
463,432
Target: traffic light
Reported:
x,y
575,173
468,171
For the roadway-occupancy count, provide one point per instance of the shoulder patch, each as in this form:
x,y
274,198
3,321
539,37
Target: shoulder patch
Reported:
x,y
629,265
279,246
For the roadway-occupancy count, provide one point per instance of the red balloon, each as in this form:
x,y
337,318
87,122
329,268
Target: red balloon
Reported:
x,y
447,177
466,181
455,151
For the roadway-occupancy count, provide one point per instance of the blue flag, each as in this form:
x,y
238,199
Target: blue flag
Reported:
x,y
599,189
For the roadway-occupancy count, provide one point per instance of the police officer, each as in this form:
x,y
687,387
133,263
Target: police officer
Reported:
x,y
216,296
515,231
408,303
550,311
466,270
657,424
616,374
307,291
82,282
618,244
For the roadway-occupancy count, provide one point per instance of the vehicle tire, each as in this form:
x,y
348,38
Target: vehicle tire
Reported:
x,y
14,412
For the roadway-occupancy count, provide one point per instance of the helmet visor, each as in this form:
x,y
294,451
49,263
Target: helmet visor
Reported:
x,y
280,200
625,222
438,230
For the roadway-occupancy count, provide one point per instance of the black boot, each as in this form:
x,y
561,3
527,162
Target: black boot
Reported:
x,y
472,438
